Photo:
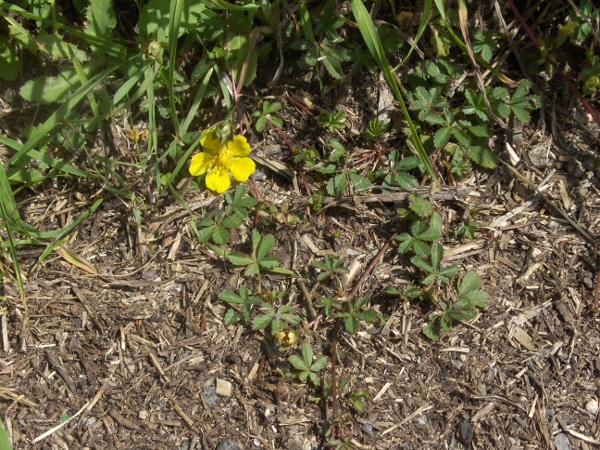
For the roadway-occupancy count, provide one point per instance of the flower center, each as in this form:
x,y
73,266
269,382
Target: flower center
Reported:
x,y
223,159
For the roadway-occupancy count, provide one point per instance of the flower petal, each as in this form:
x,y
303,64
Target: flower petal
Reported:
x,y
200,163
238,147
210,141
218,180
241,168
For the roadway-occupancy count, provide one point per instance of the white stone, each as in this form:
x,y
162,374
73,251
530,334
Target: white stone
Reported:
x,y
592,406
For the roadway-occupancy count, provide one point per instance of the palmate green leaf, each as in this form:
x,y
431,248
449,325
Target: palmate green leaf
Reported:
x,y
420,206
268,262
220,235
469,283
231,297
482,156
260,123
231,316
421,264
262,322
266,245
351,324
233,221
307,354
432,331
240,259
442,136
368,316
319,364
337,185
298,364
446,323
359,183
461,312
101,19
437,254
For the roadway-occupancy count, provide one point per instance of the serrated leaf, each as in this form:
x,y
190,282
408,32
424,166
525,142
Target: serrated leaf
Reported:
x,y
220,235
421,207
315,379
101,18
267,244
307,353
239,259
231,297
429,235
469,283
412,162
53,89
270,108
477,298
260,124
268,262
261,322
482,156
421,248
421,264
282,271
437,254
319,364
461,314
255,240
232,221
406,181
368,316
334,67
351,324
449,271
432,331
337,185
442,136
231,316
521,114
446,323
60,49
406,245
276,121
359,183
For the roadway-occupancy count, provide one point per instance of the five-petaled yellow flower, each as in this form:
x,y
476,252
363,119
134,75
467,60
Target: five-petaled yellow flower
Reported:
x,y
221,159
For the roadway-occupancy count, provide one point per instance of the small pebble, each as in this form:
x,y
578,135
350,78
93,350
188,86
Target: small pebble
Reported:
x,y
210,397
561,442
227,445
592,406
466,432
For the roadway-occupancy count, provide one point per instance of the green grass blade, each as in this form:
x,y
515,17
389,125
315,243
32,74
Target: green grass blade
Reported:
x,y
175,13
306,24
371,38
197,101
427,7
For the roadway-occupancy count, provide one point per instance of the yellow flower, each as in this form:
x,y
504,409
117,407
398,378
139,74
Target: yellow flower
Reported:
x,y
222,159
287,337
